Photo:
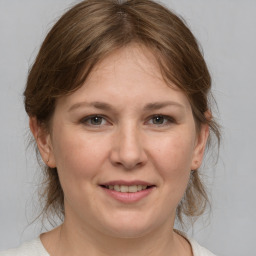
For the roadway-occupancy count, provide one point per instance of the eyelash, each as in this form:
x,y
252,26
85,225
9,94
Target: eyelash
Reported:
x,y
167,120
89,118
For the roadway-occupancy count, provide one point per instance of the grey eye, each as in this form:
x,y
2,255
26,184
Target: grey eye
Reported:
x,y
96,120
158,119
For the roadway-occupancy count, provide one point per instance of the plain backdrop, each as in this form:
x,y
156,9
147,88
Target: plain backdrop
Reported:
x,y
226,31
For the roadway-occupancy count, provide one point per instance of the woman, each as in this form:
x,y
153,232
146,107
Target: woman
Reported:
x,y
118,106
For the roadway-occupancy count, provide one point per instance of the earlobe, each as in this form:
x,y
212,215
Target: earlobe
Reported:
x,y
200,146
43,141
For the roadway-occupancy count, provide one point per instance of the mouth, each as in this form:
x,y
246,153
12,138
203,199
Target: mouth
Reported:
x,y
127,189
128,192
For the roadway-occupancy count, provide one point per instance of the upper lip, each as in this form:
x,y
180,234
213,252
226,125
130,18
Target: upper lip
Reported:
x,y
127,183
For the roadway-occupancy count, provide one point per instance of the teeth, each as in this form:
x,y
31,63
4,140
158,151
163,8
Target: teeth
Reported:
x,y
133,188
117,188
125,189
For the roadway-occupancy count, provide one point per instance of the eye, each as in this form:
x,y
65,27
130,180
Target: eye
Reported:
x,y
94,120
161,120
158,120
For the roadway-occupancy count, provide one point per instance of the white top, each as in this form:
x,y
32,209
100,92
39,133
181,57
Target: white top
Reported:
x,y
36,248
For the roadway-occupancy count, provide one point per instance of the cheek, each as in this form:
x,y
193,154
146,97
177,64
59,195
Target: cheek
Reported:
x,y
79,160
78,156
173,159
174,155
178,173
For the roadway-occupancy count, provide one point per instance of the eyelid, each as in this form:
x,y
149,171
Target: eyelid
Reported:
x,y
170,119
87,118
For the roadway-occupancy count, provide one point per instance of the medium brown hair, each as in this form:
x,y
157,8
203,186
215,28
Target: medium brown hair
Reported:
x,y
90,31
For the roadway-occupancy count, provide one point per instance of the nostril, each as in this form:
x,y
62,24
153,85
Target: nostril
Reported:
x,y
128,164
128,152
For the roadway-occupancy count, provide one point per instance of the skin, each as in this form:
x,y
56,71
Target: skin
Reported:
x,y
128,143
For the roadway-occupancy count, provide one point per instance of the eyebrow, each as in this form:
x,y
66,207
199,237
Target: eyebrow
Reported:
x,y
95,104
159,105
107,106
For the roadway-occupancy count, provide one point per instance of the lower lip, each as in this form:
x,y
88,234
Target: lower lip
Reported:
x,y
128,197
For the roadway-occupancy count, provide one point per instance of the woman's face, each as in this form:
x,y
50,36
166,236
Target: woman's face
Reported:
x,y
124,129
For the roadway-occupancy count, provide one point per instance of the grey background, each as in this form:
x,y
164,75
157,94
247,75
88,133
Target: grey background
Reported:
x,y
226,31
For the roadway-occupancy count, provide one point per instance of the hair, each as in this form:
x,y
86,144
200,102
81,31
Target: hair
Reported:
x,y
89,32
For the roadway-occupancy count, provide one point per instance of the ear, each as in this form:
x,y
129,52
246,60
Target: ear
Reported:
x,y
200,145
43,141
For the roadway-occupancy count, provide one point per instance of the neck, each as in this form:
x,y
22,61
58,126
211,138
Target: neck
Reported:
x,y
72,239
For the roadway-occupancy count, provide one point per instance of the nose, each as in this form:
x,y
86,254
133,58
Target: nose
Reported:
x,y
127,148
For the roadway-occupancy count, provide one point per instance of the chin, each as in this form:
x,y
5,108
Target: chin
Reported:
x,y
130,226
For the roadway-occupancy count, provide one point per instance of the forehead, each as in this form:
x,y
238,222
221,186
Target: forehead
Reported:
x,y
133,61
129,75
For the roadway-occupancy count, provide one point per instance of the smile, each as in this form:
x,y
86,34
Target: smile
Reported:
x,y
127,189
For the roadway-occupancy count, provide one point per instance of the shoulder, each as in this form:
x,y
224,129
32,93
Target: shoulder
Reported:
x,y
198,250
32,248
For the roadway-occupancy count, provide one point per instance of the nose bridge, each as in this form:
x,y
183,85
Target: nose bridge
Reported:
x,y
128,148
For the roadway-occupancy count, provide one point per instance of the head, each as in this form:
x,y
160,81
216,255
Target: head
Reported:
x,y
87,39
